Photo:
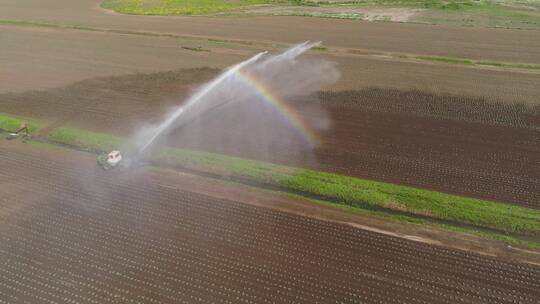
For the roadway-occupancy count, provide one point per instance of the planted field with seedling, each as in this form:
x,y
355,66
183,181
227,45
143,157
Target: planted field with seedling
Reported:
x,y
253,151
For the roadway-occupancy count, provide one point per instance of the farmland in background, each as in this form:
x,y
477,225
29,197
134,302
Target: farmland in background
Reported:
x,y
480,13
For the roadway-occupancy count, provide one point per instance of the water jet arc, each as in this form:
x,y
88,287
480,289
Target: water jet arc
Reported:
x,y
199,95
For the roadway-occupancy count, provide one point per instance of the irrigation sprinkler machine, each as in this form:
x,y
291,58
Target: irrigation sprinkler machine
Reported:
x,y
126,159
115,159
110,160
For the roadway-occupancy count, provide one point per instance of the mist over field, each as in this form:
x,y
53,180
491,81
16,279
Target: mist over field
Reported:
x,y
255,98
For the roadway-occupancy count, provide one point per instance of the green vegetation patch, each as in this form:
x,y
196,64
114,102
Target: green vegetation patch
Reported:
x,y
75,138
12,123
446,60
320,48
510,65
195,49
483,13
363,194
497,236
486,13
85,140
355,193
186,7
426,4
360,192
464,61
205,7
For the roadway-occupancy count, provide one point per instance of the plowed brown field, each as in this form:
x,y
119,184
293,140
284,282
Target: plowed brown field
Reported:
x,y
73,233
468,42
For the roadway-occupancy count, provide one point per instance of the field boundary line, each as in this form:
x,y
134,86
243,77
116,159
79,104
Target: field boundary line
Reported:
x,y
491,65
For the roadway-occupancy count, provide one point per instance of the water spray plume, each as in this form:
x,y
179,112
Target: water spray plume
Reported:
x,y
196,97
293,52
270,79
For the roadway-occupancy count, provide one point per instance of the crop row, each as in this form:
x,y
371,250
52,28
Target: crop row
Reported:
x,y
136,239
461,108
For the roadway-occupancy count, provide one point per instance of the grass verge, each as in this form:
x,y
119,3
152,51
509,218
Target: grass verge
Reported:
x,y
482,13
464,61
206,7
505,238
195,49
85,140
446,60
509,65
12,123
364,194
359,194
187,7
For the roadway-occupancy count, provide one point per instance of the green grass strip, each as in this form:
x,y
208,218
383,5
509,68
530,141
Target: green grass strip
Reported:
x,y
12,123
187,7
351,191
204,7
512,240
464,61
85,140
363,193
446,60
509,65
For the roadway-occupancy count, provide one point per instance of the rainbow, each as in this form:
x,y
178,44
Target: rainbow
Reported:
x,y
281,105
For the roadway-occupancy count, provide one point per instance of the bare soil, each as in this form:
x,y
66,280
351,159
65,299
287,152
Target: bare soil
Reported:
x,y
37,58
477,43
67,56
87,235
